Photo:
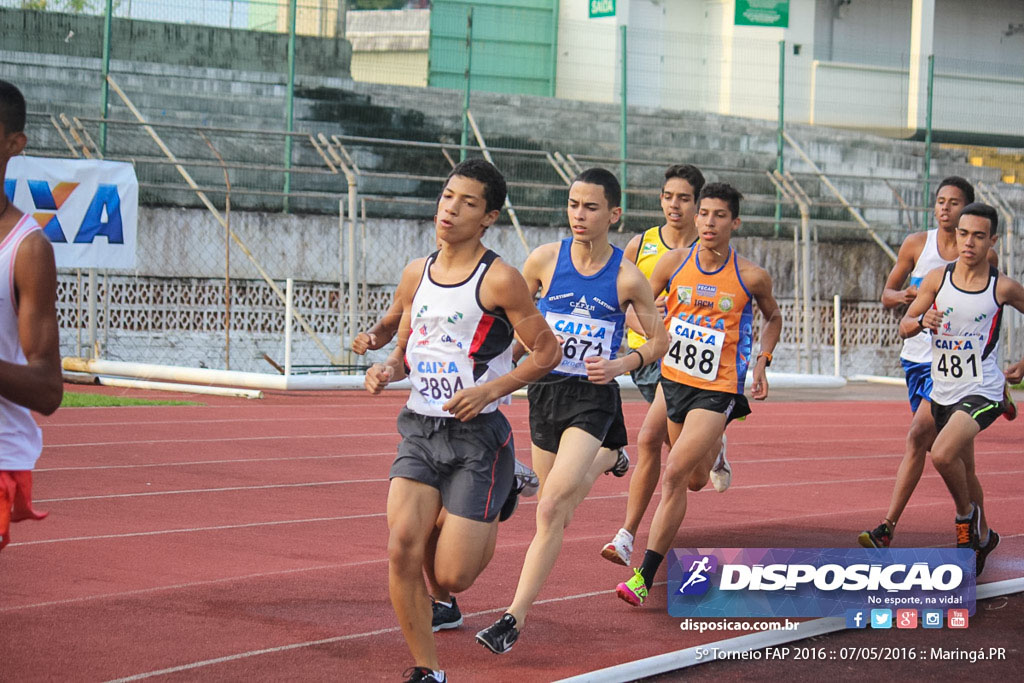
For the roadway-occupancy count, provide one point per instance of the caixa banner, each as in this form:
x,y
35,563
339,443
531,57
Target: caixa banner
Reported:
x,y
816,582
88,208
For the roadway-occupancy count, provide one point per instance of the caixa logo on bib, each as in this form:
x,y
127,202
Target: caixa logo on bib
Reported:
x,y
816,582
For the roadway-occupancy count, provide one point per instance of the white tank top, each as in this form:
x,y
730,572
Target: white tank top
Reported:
x,y
965,352
21,440
918,349
455,343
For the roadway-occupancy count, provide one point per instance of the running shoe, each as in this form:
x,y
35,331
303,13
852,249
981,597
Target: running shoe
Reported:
x,y
967,531
983,552
619,550
1009,407
422,674
445,616
879,537
633,591
621,465
525,483
500,636
721,472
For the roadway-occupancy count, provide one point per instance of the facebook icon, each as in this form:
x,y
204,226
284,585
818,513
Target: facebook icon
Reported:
x,y
856,618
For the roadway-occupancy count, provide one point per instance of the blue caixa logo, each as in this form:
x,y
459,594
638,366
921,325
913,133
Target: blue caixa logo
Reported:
x,y
696,573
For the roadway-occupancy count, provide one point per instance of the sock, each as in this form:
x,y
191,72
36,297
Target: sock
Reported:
x,y
443,603
649,567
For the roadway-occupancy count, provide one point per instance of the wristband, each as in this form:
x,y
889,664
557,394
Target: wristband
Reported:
x,y
768,358
643,362
920,320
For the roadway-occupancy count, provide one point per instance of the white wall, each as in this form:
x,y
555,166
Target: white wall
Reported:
x,y
972,40
587,54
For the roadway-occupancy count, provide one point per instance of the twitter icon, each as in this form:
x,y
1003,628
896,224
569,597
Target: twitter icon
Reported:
x,y
881,618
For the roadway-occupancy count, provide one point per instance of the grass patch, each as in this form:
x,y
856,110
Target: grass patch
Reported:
x,y
79,400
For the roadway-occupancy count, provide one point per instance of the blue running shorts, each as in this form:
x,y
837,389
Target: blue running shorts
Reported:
x,y
919,382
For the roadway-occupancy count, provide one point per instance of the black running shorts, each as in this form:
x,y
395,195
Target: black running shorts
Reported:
x,y
982,410
558,402
682,398
646,380
471,463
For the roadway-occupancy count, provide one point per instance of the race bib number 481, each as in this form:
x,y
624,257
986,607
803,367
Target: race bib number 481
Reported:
x,y
956,359
695,350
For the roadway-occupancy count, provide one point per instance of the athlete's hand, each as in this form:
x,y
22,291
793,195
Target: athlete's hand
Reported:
x,y
759,391
661,303
378,377
363,342
932,319
1015,373
909,294
601,370
467,403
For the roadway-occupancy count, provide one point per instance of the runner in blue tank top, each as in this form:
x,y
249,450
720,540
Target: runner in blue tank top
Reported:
x,y
586,286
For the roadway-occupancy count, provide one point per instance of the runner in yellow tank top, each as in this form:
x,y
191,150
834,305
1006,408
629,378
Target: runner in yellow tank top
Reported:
x,y
698,409
683,183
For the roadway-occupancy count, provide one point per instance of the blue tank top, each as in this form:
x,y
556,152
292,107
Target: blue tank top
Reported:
x,y
584,311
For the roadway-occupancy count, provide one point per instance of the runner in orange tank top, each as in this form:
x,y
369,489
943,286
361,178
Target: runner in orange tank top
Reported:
x,y
710,318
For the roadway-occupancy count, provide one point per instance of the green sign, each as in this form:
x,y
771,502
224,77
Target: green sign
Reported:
x,y
602,8
773,13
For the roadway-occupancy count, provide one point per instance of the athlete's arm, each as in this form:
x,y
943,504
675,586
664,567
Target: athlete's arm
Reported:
x,y
37,385
633,290
503,287
1011,292
537,264
633,248
759,282
912,323
382,331
664,270
379,375
910,251
993,257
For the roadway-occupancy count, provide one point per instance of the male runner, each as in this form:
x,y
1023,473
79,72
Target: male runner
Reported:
x,y
962,305
586,287
919,254
459,308
30,372
679,192
711,290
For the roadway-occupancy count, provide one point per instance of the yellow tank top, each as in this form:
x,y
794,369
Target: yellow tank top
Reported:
x,y
652,248
710,326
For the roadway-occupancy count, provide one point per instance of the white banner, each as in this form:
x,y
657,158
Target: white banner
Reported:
x,y
88,208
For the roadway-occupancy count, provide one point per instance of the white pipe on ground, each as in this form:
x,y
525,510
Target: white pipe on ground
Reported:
x,y
183,388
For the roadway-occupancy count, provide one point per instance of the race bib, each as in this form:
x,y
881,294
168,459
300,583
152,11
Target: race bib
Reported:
x,y
580,338
695,350
436,381
957,359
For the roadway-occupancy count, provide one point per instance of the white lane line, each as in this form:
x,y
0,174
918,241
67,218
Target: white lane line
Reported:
x,y
295,437
216,490
192,463
226,420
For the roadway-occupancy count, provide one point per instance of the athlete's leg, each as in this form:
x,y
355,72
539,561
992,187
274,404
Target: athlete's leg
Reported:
x,y
950,453
702,472
974,487
603,461
690,447
920,438
556,502
412,511
644,480
464,548
439,589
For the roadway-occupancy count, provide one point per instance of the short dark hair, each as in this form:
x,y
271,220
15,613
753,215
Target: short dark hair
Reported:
x,y
687,172
607,180
725,192
985,211
484,171
12,108
959,183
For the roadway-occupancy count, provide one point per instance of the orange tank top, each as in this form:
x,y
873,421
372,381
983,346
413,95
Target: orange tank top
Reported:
x,y
710,326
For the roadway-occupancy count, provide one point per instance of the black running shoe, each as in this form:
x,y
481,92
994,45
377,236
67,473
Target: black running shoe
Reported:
x,y
421,674
983,551
446,616
510,505
967,530
621,465
879,537
500,636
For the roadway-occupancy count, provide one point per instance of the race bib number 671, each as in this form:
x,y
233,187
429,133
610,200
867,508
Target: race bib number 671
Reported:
x,y
695,350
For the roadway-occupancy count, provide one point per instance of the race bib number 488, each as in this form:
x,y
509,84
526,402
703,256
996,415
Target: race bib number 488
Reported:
x,y
695,350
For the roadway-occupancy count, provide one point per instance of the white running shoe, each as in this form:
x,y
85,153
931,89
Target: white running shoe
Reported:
x,y
619,550
526,481
721,472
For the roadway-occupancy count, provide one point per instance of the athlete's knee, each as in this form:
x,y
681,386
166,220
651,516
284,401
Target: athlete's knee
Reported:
x,y
456,579
920,437
697,480
405,549
650,439
943,458
554,509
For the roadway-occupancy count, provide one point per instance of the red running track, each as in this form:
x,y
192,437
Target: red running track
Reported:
x,y
246,539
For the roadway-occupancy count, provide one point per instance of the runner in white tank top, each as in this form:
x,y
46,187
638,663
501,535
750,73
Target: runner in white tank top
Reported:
x,y
920,253
962,306
30,373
